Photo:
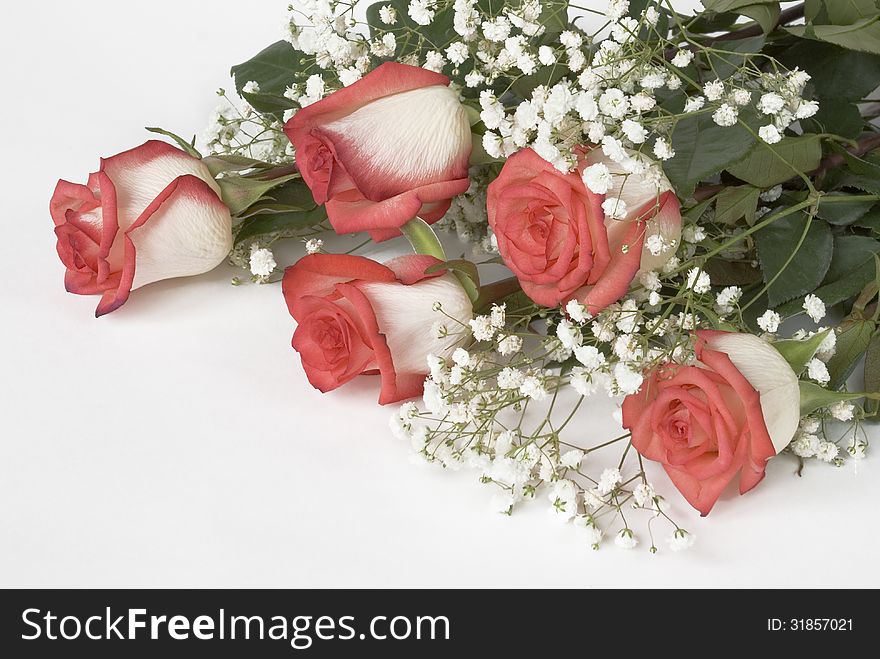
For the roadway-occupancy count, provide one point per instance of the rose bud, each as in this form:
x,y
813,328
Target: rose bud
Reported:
x,y
394,145
148,214
726,415
555,236
356,316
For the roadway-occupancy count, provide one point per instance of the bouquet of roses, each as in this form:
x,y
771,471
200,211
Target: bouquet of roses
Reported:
x,y
665,192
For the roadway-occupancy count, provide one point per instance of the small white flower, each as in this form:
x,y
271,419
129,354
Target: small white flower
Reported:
x,y
858,450
569,335
809,425
683,58
502,502
598,178
771,195
546,56
680,540
827,451
806,109
510,378
818,371
814,307
694,234
714,90
770,321
349,76
728,297
651,281
388,15
422,11
653,81
594,534
771,103
628,381
510,345
698,281
497,29
458,52
742,97
615,209
634,131
663,150
694,104
590,357
642,102
644,495
262,262
805,446
609,480
482,328
462,358
828,347
577,312
652,16
314,246
626,540
614,103
533,388
572,459
726,115
842,411
571,39
770,134
498,316
251,87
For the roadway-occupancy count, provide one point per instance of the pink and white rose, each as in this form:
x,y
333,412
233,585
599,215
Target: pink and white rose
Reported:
x,y
148,214
393,146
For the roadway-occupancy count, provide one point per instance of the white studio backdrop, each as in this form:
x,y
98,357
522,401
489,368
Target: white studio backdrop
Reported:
x,y
178,443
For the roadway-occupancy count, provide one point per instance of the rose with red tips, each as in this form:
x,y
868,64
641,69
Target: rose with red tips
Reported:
x,y
393,146
356,316
148,214
553,234
724,416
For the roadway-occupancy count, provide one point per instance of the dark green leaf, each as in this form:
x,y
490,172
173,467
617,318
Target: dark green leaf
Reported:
x,y
269,103
837,72
805,272
732,273
275,69
230,163
736,203
847,12
872,373
870,221
734,5
766,15
240,193
280,223
768,165
726,63
703,149
863,36
852,342
843,213
459,265
852,268
837,116
858,165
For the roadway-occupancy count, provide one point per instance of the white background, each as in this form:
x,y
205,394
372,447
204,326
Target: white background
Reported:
x,y
177,442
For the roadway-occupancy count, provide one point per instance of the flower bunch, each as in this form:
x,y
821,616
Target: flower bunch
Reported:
x,y
670,219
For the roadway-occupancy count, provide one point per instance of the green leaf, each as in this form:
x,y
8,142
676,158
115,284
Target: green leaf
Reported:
x,y
768,165
275,69
736,203
182,143
814,397
732,273
837,116
837,73
863,35
857,165
241,193
852,268
466,272
805,272
269,103
814,11
843,213
766,15
423,239
872,373
220,164
847,12
289,223
852,342
724,64
702,150
870,221
799,353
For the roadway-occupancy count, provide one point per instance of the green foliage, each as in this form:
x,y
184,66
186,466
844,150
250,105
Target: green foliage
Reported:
x,y
737,202
768,165
766,15
863,35
814,397
703,149
843,213
804,273
799,353
852,268
837,73
852,343
275,69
